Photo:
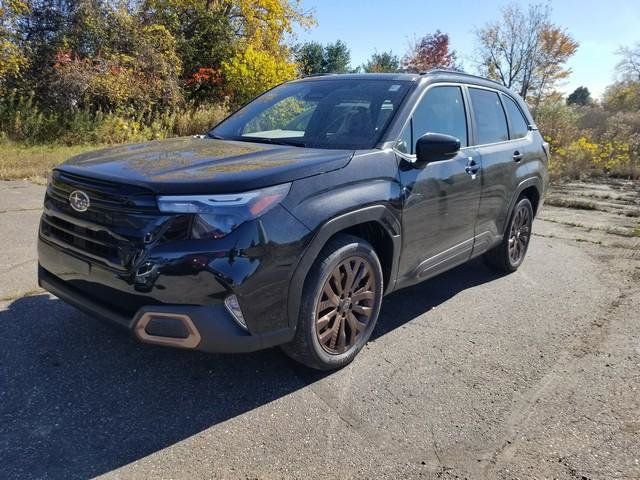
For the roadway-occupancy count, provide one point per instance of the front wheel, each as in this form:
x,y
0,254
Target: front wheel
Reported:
x,y
340,304
509,255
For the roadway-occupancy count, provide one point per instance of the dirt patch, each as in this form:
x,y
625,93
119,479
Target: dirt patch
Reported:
x,y
621,197
606,213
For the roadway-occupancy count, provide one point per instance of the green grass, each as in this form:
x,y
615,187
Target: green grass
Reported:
x,y
34,162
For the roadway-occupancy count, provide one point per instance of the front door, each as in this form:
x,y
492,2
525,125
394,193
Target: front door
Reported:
x,y
441,198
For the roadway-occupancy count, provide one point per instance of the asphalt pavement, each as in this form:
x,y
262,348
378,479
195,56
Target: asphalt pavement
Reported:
x,y
468,375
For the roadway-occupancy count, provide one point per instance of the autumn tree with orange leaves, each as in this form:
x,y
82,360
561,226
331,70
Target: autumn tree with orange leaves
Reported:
x,y
429,52
525,51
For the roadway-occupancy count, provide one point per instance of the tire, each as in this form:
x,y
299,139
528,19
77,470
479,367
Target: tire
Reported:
x,y
343,286
510,253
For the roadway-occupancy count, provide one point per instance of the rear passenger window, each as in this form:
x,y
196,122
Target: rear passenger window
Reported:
x,y
519,126
441,110
491,123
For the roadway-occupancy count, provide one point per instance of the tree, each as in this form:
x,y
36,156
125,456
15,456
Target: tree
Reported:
x,y
310,58
629,66
337,58
12,57
218,39
115,55
314,58
429,52
622,96
525,51
204,37
252,71
382,62
556,47
580,96
141,79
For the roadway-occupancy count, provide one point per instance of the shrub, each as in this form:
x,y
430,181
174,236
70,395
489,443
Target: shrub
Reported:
x,y
578,159
115,129
197,120
591,140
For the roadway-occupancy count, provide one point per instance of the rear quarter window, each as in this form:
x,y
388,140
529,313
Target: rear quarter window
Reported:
x,y
519,127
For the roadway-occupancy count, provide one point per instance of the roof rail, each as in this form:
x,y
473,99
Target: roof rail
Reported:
x,y
457,72
318,75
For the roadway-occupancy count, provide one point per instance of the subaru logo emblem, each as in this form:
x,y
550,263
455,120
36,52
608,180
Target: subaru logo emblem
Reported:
x,y
79,201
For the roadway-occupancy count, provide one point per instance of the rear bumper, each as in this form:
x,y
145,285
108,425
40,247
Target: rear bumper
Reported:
x,y
208,328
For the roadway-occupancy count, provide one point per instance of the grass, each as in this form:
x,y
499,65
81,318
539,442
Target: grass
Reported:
x,y
19,162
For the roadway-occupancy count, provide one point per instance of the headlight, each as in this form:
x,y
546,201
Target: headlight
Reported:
x,y
217,215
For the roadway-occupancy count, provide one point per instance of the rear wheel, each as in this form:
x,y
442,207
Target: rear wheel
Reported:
x,y
509,255
340,304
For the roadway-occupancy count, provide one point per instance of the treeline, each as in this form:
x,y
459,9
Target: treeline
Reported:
x,y
115,70
108,71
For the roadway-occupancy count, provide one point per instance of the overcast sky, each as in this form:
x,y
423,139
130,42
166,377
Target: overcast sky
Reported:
x,y
377,25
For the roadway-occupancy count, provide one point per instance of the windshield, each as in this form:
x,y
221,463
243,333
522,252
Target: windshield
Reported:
x,y
341,113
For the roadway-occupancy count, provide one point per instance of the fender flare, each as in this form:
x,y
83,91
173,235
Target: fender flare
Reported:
x,y
377,213
526,183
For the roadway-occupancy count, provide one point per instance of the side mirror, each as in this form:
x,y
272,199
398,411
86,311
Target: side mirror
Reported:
x,y
432,147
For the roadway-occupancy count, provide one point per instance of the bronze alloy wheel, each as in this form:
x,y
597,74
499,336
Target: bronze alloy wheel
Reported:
x,y
519,234
345,306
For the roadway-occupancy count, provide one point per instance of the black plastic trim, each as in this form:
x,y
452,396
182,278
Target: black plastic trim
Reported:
x,y
378,213
219,332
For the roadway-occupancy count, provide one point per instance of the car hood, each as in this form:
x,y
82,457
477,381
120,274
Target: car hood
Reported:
x,y
205,165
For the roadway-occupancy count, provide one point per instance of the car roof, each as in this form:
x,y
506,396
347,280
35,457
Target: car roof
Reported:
x,y
362,76
440,75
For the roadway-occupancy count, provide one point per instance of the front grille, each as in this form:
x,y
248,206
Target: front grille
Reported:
x,y
105,196
112,231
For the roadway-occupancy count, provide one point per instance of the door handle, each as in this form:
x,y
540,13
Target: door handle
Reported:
x,y
472,168
517,156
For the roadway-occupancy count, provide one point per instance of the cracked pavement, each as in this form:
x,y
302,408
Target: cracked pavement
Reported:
x,y
468,375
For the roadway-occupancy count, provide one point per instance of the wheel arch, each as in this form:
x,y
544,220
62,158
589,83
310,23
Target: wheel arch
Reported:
x,y
531,188
376,224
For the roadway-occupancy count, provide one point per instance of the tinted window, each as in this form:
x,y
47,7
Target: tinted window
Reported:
x,y
519,126
349,114
441,110
491,124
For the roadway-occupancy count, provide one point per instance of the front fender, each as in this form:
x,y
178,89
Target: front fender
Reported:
x,y
374,213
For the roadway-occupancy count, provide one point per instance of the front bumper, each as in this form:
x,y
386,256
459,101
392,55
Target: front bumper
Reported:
x,y
208,328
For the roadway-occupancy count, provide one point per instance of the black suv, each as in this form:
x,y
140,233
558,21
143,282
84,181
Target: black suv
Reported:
x,y
292,218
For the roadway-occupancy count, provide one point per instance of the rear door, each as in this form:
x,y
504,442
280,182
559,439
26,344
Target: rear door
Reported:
x,y
442,197
499,163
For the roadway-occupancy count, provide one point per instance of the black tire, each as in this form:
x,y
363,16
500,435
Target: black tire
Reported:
x,y
341,252
517,236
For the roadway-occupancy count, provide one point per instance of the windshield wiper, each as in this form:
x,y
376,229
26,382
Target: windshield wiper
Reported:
x,y
214,136
272,141
294,143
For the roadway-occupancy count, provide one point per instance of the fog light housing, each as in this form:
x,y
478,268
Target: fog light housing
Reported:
x,y
232,304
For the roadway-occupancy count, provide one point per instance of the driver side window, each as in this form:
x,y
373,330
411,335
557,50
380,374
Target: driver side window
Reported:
x,y
441,110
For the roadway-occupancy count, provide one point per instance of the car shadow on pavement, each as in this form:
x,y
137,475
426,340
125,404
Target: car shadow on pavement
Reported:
x,y
79,398
404,305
